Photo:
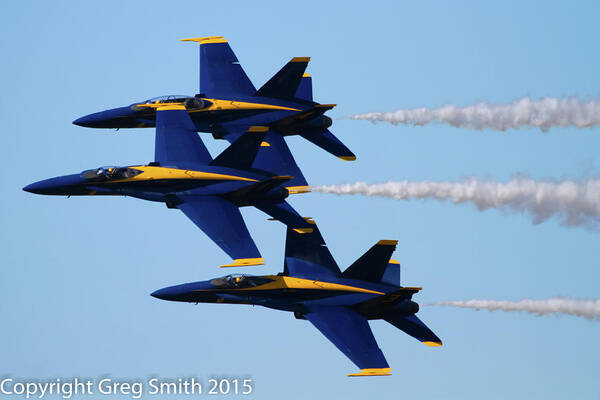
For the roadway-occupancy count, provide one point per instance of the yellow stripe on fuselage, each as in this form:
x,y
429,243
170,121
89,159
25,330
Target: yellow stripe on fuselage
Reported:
x,y
288,282
219,105
232,105
150,173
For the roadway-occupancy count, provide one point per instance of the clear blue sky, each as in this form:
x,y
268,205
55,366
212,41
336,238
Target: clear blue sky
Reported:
x,y
76,274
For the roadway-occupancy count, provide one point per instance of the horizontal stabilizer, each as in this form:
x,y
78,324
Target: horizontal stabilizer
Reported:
x,y
242,152
413,326
331,144
284,213
372,265
285,83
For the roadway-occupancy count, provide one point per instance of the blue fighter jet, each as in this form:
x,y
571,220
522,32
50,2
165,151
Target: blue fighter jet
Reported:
x,y
339,304
250,172
228,102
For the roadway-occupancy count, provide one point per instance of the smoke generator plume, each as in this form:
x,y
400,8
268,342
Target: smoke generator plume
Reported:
x,y
589,309
574,203
545,113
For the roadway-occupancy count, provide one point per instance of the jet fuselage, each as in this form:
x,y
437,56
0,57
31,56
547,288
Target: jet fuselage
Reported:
x,y
213,115
295,294
155,183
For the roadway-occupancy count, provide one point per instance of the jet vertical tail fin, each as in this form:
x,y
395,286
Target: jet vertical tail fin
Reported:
x,y
391,275
285,83
275,156
307,255
304,91
375,265
221,74
242,152
177,142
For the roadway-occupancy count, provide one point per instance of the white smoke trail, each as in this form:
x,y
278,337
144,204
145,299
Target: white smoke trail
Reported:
x,y
589,309
574,203
545,113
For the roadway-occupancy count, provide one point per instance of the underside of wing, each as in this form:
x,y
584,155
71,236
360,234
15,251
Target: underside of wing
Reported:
x,y
351,334
223,223
221,75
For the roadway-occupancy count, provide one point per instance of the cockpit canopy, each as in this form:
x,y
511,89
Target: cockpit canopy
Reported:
x,y
189,102
239,281
110,173
171,98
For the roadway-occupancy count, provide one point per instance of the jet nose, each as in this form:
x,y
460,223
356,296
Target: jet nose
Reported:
x,y
163,294
188,292
85,121
41,187
61,185
121,117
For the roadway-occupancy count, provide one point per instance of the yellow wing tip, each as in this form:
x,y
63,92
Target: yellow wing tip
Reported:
x,y
348,158
244,262
373,372
305,75
432,344
392,261
300,59
206,39
387,243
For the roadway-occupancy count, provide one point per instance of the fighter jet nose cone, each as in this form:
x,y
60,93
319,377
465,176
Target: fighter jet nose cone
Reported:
x,y
162,294
83,121
36,188
121,117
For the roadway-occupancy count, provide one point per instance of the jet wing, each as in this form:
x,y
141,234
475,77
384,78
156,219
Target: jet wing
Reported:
x,y
413,326
223,223
221,75
177,143
351,334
